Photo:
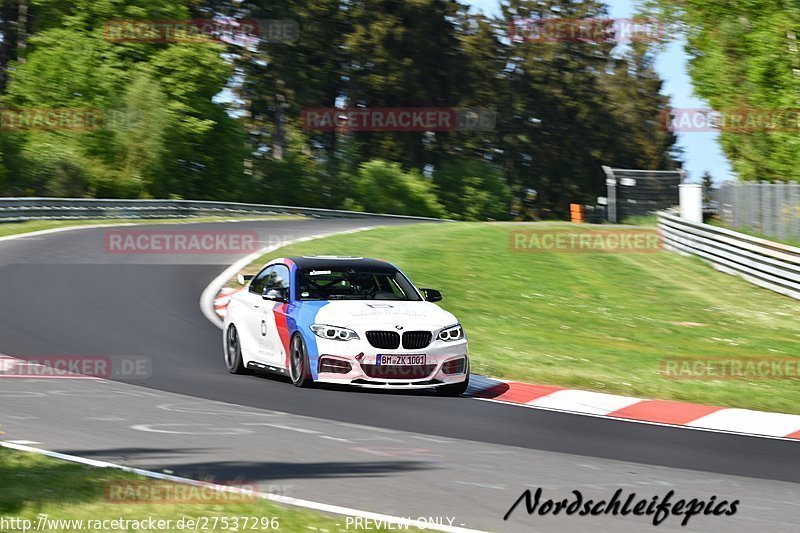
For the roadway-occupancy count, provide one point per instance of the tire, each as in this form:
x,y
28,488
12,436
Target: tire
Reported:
x,y
299,369
233,352
456,389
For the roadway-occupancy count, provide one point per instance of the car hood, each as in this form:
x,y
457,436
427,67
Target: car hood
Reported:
x,y
384,314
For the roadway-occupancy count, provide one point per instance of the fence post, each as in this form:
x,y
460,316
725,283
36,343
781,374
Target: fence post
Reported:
x,y
780,206
611,194
763,191
722,200
750,214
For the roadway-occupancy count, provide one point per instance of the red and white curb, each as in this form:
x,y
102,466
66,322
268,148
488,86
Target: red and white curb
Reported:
x,y
659,412
662,412
222,299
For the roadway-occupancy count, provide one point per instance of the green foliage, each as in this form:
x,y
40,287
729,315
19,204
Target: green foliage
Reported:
x,y
746,56
563,109
3,173
384,187
162,133
66,68
294,180
472,190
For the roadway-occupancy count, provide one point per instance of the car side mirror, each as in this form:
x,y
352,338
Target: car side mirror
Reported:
x,y
274,295
431,295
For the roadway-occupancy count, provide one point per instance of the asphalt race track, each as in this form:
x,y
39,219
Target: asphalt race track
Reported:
x,y
405,454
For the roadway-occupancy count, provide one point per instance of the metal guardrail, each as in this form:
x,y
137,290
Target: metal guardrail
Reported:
x,y
768,264
20,209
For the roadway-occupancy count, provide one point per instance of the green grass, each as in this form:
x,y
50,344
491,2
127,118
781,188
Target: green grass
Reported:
x,y
747,231
16,228
642,220
33,485
600,322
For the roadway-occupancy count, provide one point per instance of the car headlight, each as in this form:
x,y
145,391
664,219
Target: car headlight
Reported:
x,y
334,333
453,333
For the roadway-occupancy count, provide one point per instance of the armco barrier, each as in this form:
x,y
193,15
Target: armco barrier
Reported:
x,y
768,264
19,209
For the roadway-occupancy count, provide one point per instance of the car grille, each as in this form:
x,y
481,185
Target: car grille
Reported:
x,y
390,340
416,340
387,340
398,371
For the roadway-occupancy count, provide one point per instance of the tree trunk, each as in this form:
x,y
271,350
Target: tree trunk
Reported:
x,y
8,16
22,30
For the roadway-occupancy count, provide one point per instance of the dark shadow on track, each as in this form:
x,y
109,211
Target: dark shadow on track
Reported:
x,y
265,471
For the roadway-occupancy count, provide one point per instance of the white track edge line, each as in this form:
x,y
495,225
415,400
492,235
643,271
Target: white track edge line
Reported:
x,y
134,222
285,500
213,288
59,230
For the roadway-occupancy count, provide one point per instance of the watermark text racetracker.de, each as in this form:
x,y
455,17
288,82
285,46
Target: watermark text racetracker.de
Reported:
x,y
585,30
713,368
398,119
585,240
136,367
242,31
658,508
177,241
51,119
154,491
732,120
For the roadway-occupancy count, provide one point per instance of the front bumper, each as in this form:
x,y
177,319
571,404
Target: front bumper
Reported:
x,y
356,364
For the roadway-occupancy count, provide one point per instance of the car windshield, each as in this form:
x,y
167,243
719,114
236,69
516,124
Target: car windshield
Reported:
x,y
354,284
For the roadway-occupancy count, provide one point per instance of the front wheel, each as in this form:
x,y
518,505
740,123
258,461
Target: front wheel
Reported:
x,y
299,369
456,389
233,352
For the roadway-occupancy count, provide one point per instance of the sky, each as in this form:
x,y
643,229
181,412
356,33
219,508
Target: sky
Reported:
x,y
702,151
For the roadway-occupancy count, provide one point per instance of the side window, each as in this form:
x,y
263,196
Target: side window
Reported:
x,y
279,280
273,277
259,282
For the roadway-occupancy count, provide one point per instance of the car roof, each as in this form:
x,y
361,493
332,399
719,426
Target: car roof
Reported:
x,y
332,262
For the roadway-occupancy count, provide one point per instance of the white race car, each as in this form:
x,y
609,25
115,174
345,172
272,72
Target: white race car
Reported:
x,y
345,320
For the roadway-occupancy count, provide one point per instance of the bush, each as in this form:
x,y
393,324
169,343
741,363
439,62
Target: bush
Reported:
x,y
384,187
472,190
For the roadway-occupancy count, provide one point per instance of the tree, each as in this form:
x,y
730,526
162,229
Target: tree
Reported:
x,y
745,59
575,106
163,134
708,186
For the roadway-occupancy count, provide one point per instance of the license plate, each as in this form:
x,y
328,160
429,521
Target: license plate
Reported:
x,y
401,360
